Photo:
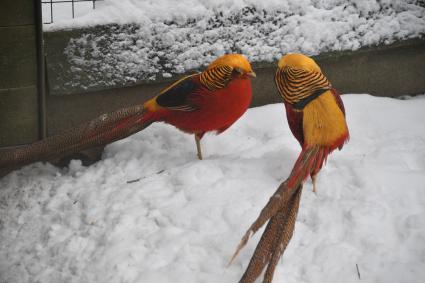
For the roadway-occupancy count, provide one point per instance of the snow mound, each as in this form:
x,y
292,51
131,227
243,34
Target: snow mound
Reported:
x,y
151,212
144,40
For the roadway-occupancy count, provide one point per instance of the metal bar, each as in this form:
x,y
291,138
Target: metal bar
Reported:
x,y
41,80
51,11
73,15
94,4
69,1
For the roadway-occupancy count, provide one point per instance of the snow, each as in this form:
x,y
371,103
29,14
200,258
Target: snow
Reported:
x,y
183,219
143,40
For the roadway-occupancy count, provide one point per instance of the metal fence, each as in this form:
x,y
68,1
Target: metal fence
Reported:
x,y
53,3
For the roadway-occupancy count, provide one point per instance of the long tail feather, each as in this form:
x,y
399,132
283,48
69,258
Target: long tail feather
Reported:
x,y
286,219
280,212
275,203
100,131
274,241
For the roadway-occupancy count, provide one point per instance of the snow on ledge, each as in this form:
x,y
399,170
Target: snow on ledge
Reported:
x,y
146,39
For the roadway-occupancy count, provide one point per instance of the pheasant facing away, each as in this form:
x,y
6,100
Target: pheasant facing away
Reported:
x,y
208,101
316,117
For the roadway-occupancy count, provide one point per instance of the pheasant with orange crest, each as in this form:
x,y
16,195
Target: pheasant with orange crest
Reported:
x,y
210,101
316,117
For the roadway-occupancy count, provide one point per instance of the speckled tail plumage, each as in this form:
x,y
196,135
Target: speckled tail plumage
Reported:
x,y
100,131
281,213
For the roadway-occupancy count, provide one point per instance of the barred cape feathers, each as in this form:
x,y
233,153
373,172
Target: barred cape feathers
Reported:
x,y
296,85
216,77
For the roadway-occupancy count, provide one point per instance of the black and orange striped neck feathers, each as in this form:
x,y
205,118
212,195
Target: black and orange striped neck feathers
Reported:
x,y
300,81
298,86
223,69
217,77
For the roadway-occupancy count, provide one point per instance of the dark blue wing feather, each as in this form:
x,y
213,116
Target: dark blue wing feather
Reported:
x,y
176,97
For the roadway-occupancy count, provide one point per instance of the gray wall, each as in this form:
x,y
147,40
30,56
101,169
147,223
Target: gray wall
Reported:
x,y
18,73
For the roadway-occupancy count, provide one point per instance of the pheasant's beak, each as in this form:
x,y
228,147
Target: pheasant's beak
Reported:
x,y
251,74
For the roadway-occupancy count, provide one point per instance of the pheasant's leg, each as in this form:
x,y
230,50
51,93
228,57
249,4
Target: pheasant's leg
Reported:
x,y
313,179
198,146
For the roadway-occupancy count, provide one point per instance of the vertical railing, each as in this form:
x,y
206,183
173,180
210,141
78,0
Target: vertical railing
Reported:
x,y
41,79
51,11
73,6
73,12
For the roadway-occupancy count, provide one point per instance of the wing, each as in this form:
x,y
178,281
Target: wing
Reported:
x,y
182,94
338,100
341,106
295,122
177,96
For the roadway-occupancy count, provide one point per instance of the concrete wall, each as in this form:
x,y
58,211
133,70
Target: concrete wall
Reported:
x,y
18,73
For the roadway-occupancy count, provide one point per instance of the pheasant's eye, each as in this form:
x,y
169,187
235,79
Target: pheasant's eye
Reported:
x,y
239,70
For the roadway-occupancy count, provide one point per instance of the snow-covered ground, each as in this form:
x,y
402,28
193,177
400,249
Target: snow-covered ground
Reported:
x,y
146,39
182,220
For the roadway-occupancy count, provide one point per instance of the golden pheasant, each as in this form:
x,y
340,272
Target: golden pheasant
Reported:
x,y
316,117
208,101
315,113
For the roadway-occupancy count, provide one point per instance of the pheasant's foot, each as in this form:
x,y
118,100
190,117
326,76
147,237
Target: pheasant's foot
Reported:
x,y
198,146
313,179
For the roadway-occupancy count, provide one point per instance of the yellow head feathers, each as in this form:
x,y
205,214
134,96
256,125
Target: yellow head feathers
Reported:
x,y
299,61
237,62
